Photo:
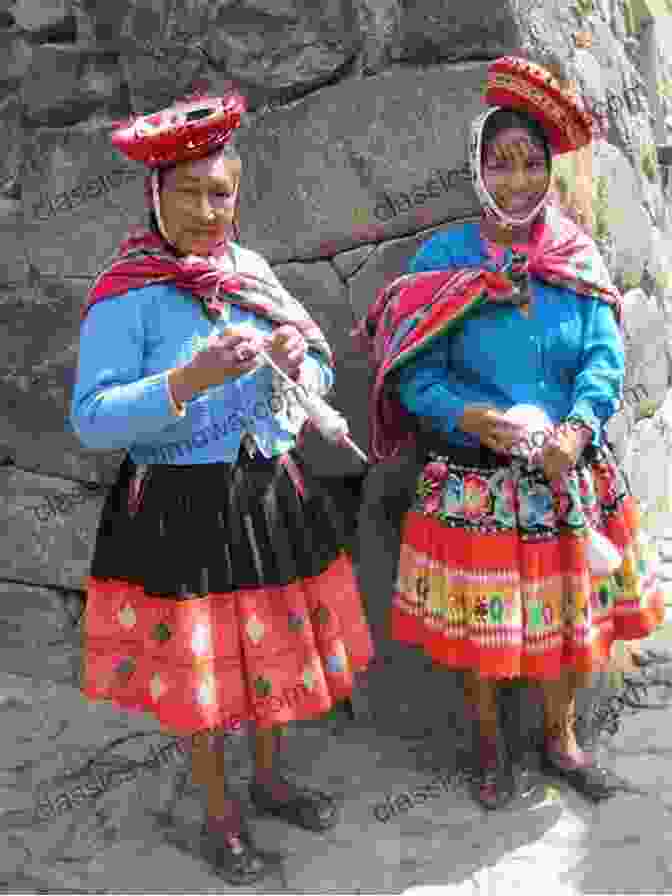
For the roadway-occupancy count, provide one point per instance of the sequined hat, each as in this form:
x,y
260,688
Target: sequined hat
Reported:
x,y
515,83
194,127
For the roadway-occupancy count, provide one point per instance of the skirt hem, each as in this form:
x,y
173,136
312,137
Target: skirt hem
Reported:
x,y
498,662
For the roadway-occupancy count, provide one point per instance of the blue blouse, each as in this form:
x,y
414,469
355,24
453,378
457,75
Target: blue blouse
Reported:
x,y
567,357
121,397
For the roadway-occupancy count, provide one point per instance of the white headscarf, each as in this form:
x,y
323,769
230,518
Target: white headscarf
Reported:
x,y
487,200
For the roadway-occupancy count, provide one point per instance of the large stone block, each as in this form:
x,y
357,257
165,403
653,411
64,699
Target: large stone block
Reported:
x,y
347,263
319,289
80,199
39,336
380,25
37,636
360,162
105,20
317,40
647,363
547,29
628,223
34,15
65,86
197,39
613,67
647,464
11,136
13,260
50,528
432,31
15,55
155,79
386,263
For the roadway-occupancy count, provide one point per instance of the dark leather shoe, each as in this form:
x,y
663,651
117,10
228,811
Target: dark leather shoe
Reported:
x,y
490,790
308,808
588,780
234,858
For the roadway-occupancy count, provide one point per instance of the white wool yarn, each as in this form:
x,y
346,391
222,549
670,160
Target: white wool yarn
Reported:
x,y
538,427
325,418
603,557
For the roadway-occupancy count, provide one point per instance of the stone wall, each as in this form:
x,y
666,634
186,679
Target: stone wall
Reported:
x,y
354,153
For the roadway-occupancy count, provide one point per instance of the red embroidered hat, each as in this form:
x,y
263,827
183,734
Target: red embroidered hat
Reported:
x,y
518,84
191,129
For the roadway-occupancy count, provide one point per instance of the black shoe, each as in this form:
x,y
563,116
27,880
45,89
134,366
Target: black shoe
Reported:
x,y
493,784
307,808
588,780
490,788
235,858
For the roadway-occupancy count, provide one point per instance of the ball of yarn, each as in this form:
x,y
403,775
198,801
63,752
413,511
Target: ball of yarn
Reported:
x,y
538,428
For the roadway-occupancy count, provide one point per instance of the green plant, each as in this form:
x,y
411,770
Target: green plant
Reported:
x,y
649,162
646,408
630,280
662,505
663,279
360,216
583,8
601,208
665,88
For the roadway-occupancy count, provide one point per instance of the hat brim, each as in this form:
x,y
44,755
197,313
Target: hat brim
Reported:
x,y
172,135
518,84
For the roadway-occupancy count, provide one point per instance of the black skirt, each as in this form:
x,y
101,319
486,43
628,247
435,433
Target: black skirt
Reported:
x,y
217,527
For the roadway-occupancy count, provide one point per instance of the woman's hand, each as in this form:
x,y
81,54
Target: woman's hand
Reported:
x,y
228,355
563,450
492,428
287,347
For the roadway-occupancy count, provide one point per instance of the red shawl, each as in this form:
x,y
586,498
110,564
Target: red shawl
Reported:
x,y
145,258
416,308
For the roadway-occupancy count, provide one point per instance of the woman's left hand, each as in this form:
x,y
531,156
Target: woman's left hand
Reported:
x,y
563,450
287,347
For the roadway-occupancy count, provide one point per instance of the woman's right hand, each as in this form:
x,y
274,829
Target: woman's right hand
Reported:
x,y
493,429
227,355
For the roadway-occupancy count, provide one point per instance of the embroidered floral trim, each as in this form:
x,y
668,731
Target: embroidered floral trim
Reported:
x,y
515,496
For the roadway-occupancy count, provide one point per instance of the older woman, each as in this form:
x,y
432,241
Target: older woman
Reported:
x,y
495,575
219,592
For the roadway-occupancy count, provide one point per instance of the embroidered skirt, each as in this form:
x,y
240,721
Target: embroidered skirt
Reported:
x,y
493,573
220,594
